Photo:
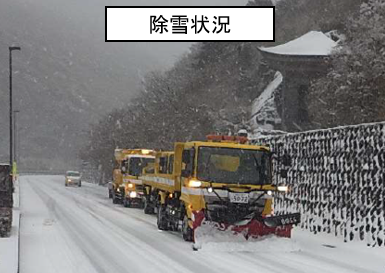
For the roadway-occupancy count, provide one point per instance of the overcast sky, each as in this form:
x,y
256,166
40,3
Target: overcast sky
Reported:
x,y
64,55
168,52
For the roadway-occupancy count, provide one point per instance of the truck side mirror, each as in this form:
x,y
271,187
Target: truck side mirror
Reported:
x,y
186,156
186,173
188,162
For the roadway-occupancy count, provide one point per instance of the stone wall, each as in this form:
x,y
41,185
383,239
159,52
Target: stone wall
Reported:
x,y
337,180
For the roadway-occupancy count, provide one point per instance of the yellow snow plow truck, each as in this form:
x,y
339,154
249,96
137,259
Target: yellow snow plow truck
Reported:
x,y
223,181
127,187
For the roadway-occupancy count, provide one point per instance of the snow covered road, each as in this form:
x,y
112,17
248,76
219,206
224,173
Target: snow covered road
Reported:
x,y
70,229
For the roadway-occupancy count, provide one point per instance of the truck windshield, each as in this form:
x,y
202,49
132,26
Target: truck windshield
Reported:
x,y
234,166
136,165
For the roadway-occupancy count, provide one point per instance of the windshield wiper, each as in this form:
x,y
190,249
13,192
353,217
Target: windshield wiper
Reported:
x,y
259,169
207,170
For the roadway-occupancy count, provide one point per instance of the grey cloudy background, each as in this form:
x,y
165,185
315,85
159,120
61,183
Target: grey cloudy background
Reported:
x,y
82,23
156,54
66,77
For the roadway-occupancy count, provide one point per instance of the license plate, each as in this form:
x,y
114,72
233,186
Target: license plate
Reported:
x,y
236,197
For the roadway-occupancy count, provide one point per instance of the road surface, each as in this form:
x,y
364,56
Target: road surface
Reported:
x,y
70,229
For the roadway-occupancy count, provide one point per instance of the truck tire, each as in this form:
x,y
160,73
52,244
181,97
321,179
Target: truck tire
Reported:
x,y
126,203
147,208
114,199
161,219
187,231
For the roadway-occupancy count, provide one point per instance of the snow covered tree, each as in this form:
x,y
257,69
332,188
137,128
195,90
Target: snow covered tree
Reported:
x,y
211,89
354,89
297,17
260,3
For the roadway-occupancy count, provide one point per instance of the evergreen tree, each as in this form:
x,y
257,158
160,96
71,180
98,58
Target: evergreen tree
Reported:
x,y
354,89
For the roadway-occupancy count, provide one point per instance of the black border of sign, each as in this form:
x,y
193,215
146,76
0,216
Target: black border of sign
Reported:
x,y
216,7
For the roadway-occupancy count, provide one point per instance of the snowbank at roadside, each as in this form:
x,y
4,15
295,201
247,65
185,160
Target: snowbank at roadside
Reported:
x,y
9,247
356,255
326,248
209,238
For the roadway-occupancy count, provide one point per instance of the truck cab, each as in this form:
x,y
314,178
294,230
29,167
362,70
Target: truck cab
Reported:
x,y
133,166
126,186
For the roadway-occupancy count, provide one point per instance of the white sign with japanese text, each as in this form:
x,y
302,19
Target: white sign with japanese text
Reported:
x,y
189,24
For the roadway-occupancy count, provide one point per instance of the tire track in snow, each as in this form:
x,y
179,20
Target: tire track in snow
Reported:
x,y
121,227
77,230
271,264
141,240
337,263
139,231
225,258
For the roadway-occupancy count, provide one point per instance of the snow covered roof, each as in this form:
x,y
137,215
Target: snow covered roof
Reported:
x,y
259,102
313,43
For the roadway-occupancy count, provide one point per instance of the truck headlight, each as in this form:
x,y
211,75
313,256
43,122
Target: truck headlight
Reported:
x,y
133,194
194,183
283,188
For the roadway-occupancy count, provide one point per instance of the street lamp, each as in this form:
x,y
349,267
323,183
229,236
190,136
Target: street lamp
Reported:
x,y
11,48
15,135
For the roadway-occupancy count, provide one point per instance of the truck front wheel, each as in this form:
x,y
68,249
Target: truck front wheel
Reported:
x,y
126,203
187,231
114,199
148,209
161,219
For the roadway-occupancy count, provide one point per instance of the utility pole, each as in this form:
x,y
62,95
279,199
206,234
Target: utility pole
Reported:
x,y
11,48
15,136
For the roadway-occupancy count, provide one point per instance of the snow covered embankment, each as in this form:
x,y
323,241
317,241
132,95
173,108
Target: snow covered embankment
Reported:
x,y
336,179
9,247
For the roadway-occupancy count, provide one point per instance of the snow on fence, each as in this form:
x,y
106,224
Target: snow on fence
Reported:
x,y
337,179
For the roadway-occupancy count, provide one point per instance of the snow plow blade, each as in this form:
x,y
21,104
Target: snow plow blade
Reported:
x,y
282,220
254,227
280,226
